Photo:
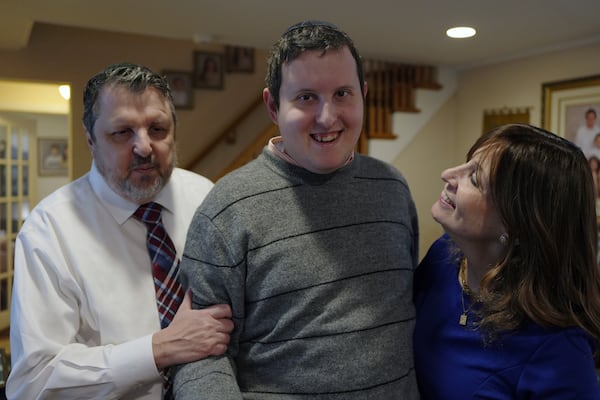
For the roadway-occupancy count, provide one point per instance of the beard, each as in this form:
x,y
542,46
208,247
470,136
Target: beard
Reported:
x,y
138,191
146,188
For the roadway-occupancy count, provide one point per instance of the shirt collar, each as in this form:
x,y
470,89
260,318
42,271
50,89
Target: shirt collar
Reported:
x,y
276,146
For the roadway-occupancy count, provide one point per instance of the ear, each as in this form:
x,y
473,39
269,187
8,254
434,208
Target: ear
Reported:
x,y
272,109
365,89
90,142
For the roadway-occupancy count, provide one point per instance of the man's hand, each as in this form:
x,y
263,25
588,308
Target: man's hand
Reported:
x,y
193,334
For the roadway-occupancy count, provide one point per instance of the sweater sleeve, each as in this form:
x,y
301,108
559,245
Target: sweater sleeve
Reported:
x,y
214,276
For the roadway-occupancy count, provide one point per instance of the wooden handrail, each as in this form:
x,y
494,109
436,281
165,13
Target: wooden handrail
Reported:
x,y
392,89
251,151
224,133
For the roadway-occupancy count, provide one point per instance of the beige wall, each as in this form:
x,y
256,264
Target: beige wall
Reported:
x,y
71,55
518,83
448,136
422,161
58,54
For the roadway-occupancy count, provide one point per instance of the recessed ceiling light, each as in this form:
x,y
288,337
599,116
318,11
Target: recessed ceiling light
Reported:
x,y
461,32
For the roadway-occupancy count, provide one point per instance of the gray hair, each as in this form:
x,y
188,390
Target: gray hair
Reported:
x,y
134,77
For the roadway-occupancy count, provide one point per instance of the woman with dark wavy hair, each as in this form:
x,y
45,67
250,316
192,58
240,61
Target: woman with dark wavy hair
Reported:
x,y
508,299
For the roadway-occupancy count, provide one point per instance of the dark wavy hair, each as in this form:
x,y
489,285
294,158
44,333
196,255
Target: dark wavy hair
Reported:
x,y
134,77
303,36
543,189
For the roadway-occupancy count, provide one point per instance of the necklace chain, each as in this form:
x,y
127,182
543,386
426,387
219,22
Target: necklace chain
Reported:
x,y
464,289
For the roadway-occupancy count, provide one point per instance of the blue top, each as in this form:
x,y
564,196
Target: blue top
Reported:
x,y
452,361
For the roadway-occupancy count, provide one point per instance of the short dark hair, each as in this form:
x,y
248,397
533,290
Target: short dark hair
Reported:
x,y
303,36
134,77
591,111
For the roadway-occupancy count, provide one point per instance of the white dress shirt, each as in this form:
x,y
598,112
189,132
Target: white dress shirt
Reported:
x,y
584,138
84,307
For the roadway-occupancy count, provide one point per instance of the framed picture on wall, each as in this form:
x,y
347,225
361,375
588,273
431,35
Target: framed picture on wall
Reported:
x,y
571,108
239,59
181,88
566,103
52,156
208,70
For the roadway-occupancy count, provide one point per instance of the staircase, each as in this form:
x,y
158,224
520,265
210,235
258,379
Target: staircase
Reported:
x,y
392,89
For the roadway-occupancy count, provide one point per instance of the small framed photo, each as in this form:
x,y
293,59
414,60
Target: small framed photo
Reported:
x,y
239,59
52,157
181,86
208,70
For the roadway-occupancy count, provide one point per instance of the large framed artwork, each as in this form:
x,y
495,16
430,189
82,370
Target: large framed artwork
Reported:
x,y
570,108
565,104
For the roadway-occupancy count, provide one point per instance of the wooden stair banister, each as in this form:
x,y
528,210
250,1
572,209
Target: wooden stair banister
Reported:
x,y
252,151
225,133
392,89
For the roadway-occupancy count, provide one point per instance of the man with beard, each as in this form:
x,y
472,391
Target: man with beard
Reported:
x,y
88,317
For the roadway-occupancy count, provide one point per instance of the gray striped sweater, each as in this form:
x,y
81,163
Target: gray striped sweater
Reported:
x,y
318,270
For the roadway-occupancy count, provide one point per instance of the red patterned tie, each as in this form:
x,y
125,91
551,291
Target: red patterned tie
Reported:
x,y
165,266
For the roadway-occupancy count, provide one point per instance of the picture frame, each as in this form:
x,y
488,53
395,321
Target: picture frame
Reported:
x,y
565,102
239,59
208,70
566,105
52,156
181,86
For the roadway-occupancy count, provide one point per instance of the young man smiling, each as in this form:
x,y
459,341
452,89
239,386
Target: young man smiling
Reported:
x,y
313,246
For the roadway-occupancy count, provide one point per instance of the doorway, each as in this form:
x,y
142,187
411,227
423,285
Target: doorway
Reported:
x,y
29,112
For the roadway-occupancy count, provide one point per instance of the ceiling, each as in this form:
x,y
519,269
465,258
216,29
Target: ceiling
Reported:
x,y
394,30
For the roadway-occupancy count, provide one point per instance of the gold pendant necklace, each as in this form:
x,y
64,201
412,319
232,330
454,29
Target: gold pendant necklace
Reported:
x,y
464,289
463,317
